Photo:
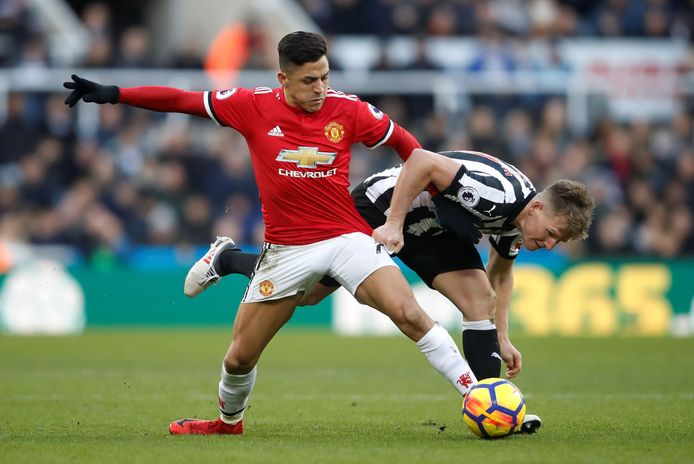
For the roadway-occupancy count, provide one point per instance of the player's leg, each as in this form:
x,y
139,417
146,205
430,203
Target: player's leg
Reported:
x,y
470,291
365,270
282,275
320,291
460,277
223,258
254,326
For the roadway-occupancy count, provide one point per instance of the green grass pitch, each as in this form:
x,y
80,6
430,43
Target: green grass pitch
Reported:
x,y
108,396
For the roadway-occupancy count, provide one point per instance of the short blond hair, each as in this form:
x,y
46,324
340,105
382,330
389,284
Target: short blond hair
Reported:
x,y
571,199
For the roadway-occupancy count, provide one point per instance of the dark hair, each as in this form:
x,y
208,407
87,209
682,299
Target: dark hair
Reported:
x,y
297,48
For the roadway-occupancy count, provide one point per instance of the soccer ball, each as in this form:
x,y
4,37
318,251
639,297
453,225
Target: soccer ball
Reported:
x,y
494,408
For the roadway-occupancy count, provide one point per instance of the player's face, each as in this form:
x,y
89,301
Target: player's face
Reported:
x,y
305,86
542,228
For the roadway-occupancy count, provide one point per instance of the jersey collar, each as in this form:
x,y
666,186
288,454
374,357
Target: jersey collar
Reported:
x,y
518,208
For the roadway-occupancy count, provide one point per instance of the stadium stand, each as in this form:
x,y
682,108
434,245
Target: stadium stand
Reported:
x,y
109,181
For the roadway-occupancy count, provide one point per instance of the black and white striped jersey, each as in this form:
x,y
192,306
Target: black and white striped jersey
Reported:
x,y
488,189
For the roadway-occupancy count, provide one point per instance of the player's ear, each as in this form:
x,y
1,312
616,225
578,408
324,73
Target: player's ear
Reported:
x,y
282,78
535,205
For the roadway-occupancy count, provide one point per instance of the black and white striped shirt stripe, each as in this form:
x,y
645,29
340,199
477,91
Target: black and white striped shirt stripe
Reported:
x,y
489,189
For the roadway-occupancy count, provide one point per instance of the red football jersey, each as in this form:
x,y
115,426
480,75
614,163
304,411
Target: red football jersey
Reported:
x,y
300,159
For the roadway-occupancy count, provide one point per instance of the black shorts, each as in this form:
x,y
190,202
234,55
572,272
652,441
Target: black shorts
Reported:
x,y
426,256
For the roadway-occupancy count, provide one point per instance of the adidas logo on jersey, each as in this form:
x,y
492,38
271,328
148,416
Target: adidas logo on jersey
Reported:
x,y
276,132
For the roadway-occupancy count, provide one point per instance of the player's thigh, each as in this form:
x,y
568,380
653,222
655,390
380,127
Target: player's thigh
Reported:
x,y
255,325
357,256
430,257
285,270
470,291
387,291
317,294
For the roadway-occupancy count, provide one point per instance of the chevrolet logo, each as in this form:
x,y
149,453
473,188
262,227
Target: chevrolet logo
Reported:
x,y
306,157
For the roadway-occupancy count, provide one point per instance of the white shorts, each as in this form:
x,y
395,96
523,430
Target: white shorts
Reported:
x,y
285,270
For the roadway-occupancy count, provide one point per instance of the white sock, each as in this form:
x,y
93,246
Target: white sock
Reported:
x,y
479,325
234,391
443,354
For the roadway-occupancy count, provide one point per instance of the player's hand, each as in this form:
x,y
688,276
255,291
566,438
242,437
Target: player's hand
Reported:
x,y
390,235
512,357
90,91
456,219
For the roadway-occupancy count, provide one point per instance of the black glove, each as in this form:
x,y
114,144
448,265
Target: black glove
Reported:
x,y
90,91
456,219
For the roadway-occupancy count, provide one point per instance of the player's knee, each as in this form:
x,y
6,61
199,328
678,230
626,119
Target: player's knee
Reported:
x,y
482,306
237,364
409,317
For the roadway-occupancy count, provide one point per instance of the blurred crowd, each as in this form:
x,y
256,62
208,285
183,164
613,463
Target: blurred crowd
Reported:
x,y
151,179
519,18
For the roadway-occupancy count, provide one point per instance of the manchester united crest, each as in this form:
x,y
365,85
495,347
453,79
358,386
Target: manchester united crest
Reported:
x,y
334,131
266,287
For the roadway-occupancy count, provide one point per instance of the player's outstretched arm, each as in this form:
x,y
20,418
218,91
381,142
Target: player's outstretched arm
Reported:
x,y
154,98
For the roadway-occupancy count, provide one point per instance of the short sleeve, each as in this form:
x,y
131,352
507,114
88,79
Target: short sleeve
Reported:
x,y
230,107
373,126
507,246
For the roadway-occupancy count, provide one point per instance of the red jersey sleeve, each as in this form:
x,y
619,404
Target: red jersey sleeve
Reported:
x,y
402,142
231,107
375,128
164,99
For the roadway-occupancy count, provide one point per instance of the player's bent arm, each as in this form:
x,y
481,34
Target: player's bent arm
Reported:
x,y
422,168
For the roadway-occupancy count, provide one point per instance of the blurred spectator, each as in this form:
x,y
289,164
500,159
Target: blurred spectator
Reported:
x,y
346,17
99,54
18,136
134,49
421,60
188,55
519,134
405,19
17,26
96,17
484,132
495,60
442,21
261,47
319,10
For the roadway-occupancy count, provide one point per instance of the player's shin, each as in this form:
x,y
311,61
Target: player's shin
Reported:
x,y
234,391
443,354
481,348
236,262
